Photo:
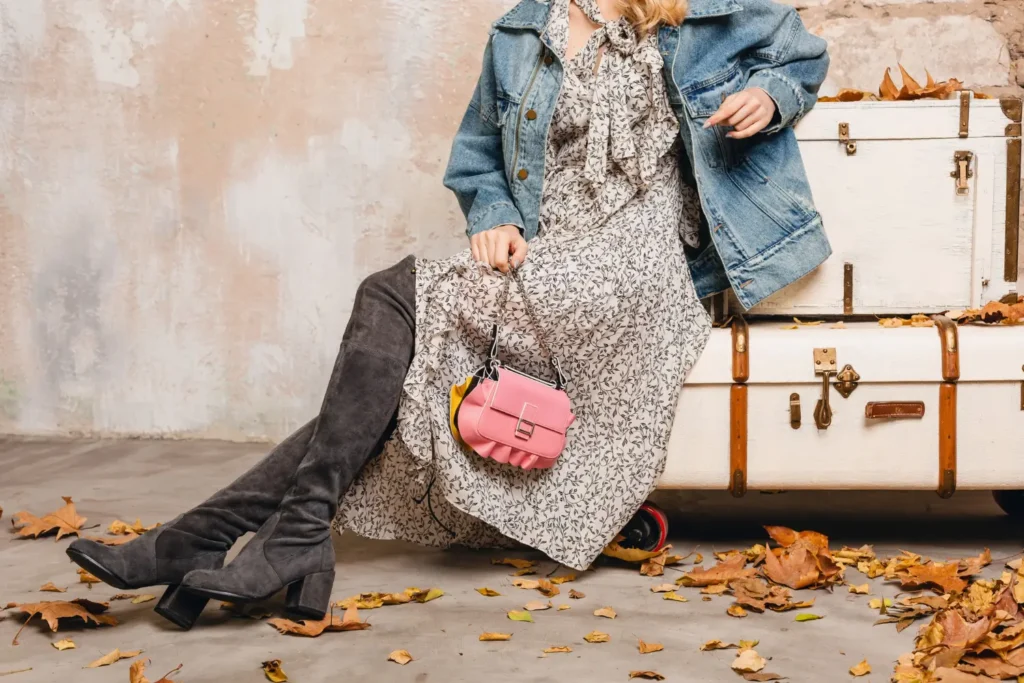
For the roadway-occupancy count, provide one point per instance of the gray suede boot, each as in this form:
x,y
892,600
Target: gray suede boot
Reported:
x,y
294,548
200,538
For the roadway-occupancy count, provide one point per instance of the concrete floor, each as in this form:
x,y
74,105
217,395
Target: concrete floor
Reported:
x,y
156,479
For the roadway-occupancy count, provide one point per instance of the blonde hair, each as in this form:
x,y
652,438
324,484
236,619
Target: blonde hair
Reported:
x,y
647,15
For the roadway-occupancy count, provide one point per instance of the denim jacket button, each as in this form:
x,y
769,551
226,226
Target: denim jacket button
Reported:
x,y
523,174
548,60
531,115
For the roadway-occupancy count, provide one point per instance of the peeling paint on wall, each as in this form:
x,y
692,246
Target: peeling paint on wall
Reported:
x,y
277,24
191,190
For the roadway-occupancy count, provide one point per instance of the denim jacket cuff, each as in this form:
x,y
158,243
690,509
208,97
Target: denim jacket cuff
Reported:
x,y
789,100
500,213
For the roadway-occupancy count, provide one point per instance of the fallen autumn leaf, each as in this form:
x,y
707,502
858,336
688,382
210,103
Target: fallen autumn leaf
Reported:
x,y
400,657
114,655
273,671
647,648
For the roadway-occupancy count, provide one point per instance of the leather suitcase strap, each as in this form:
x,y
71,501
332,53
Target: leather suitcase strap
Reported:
x,y
738,440
947,439
738,408
949,339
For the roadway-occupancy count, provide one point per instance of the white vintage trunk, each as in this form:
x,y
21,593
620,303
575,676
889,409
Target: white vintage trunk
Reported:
x,y
893,212
903,364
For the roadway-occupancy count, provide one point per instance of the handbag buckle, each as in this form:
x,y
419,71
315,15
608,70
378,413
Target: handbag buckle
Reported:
x,y
524,428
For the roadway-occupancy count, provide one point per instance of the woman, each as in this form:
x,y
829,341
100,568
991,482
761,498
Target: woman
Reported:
x,y
593,149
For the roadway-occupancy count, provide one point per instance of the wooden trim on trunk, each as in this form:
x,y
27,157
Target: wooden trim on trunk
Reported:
x,y
947,439
740,350
950,339
738,440
1011,252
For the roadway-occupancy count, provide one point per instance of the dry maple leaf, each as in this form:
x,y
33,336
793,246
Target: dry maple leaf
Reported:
x,y
119,528
86,577
663,588
273,671
862,589
563,607
723,572
970,566
862,669
634,555
748,661
254,611
400,657
493,637
558,580
137,672
763,676
941,578
675,597
596,637
536,605
488,593
330,622
50,588
112,540
736,611
606,612
647,675
64,644
53,611
576,595
655,566
65,521
716,589
557,649
114,655
526,584
647,648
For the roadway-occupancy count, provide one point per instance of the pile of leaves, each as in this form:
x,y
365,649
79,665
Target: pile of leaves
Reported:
x,y
976,630
911,90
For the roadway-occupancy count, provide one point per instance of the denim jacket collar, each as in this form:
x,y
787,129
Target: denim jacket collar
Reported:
x,y
533,14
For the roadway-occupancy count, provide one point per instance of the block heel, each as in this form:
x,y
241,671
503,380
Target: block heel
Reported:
x,y
309,597
180,607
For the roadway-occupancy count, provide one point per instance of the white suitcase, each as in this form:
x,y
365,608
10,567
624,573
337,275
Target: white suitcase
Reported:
x,y
921,202
923,408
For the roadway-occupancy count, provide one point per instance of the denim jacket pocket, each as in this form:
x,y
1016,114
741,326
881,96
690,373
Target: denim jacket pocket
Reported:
x,y
506,104
702,99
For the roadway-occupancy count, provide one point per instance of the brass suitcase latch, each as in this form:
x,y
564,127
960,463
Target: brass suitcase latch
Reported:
x,y
824,366
962,171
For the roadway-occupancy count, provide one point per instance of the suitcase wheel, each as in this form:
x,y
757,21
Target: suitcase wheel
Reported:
x,y
648,530
1012,502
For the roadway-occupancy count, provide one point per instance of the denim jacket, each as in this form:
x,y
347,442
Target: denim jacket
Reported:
x,y
761,230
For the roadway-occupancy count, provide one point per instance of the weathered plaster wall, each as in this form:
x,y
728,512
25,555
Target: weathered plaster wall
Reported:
x,y
190,190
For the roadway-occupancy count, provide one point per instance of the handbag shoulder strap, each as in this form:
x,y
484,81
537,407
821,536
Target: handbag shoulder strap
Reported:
x,y
514,274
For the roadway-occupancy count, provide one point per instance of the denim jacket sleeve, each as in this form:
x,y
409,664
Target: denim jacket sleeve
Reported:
x,y
789,62
476,167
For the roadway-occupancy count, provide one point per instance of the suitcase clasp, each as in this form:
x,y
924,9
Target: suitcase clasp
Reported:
x,y
825,366
962,171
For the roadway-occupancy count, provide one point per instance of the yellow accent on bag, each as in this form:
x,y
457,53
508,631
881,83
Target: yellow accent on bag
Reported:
x,y
457,393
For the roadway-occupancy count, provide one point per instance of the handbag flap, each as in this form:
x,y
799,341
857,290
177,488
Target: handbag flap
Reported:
x,y
531,400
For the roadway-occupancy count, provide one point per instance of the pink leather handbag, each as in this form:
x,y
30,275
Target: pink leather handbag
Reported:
x,y
512,417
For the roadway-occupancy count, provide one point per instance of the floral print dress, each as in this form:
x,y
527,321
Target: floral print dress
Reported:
x,y
608,279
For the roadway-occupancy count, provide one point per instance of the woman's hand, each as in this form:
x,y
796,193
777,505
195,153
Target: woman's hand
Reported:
x,y
499,246
748,112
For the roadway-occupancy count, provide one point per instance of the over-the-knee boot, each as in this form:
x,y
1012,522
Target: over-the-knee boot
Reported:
x,y
200,538
293,548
